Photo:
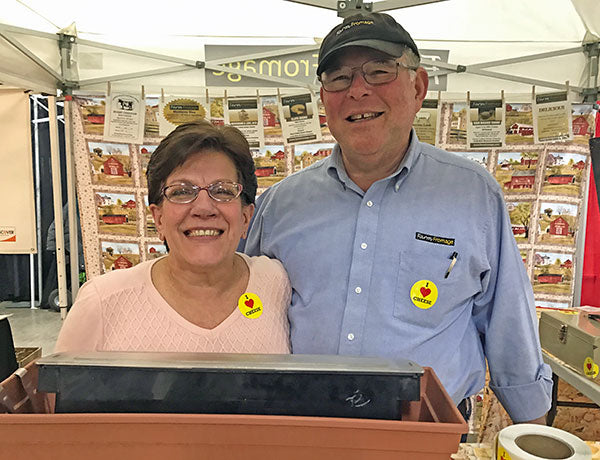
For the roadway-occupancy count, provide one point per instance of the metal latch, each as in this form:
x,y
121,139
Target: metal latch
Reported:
x,y
562,333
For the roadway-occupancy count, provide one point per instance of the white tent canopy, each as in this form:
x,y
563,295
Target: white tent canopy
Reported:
x,y
162,45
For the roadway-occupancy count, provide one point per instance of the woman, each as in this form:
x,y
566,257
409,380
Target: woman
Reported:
x,y
202,296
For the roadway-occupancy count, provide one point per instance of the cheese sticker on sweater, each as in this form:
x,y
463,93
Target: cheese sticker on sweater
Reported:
x,y
250,305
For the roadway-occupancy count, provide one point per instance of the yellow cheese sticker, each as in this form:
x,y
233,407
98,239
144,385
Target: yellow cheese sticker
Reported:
x,y
590,368
250,305
502,454
424,294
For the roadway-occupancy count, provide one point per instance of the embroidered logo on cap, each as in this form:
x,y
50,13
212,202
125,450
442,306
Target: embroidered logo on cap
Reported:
x,y
364,22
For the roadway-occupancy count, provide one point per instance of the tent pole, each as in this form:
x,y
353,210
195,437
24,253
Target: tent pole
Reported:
x,y
526,80
580,247
135,52
32,56
528,58
58,216
38,205
592,51
71,200
32,282
129,76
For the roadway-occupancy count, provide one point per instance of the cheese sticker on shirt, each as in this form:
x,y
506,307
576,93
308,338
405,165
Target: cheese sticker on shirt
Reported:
x,y
424,294
250,305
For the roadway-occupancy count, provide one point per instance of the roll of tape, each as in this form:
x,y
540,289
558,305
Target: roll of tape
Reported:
x,y
539,442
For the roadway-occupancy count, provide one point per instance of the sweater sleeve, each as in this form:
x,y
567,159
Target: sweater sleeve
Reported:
x,y
83,328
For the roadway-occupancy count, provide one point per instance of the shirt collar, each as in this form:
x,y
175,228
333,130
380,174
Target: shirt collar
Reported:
x,y
337,171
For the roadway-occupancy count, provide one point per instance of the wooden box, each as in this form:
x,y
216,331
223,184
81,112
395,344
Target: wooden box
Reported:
x,y
574,339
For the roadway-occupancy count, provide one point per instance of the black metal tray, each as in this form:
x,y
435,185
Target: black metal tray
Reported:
x,y
310,385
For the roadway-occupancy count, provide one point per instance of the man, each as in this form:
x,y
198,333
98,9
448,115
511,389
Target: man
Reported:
x,y
395,248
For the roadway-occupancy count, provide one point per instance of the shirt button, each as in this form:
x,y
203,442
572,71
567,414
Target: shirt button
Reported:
x,y
358,290
351,336
363,246
369,203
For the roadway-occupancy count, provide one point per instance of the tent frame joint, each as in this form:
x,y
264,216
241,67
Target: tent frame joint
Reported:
x,y
591,94
68,87
592,49
347,8
67,45
200,64
66,41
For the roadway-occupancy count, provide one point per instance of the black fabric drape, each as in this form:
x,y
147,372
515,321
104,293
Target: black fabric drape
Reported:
x,y
8,359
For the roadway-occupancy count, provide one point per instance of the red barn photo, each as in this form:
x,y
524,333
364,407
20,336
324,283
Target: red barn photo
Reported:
x,y
269,118
580,126
567,264
114,218
518,229
559,227
265,171
113,167
322,153
560,179
122,263
521,129
521,179
529,161
550,278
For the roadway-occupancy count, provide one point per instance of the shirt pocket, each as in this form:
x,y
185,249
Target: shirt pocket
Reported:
x,y
424,295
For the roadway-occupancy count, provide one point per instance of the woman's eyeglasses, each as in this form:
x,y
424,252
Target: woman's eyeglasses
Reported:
x,y
375,72
221,191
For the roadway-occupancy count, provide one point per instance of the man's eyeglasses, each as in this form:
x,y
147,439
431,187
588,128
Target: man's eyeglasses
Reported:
x,y
221,191
375,72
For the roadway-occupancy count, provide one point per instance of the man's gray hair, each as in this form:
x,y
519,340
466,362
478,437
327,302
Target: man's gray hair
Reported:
x,y
410,59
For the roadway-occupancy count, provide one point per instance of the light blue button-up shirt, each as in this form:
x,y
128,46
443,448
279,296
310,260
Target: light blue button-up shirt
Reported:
x,y
353,257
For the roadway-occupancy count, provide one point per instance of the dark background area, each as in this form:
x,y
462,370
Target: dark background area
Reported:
x,y
14,268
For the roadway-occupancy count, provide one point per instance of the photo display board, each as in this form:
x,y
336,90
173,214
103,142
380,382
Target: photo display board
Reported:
x,y
543,184
117,227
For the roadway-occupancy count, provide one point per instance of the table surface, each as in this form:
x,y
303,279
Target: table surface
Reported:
x,y
576,380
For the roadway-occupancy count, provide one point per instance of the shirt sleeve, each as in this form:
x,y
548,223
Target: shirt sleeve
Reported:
x,y
252,245
83,328
505,316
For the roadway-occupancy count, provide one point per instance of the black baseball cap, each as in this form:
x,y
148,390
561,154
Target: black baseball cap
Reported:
x,y
379,31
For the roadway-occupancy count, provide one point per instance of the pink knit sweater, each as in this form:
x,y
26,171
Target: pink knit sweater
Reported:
x,y
123,311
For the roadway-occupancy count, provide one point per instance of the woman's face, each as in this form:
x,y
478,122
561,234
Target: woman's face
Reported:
x,y
204,233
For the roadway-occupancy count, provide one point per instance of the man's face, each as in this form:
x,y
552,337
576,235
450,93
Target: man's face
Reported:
x,y
373,121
